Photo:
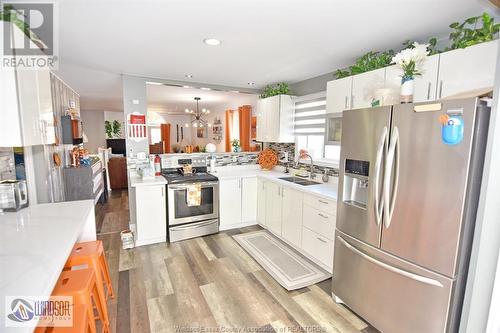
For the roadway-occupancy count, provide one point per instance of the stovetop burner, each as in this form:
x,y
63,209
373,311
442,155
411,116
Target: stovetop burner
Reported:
x,y
174,176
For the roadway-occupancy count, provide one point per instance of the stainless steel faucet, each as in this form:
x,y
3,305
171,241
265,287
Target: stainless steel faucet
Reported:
x,y
311,172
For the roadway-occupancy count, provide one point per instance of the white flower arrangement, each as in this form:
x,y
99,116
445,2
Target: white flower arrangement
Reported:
x,y
411,60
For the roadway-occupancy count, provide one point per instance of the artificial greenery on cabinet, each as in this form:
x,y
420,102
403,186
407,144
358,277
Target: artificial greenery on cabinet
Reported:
x,y
474,30
270,90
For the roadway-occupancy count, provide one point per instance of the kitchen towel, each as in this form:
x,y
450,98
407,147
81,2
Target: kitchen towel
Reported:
x,y
193,195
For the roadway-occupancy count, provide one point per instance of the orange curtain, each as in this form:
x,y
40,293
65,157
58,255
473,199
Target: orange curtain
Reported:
x,y
245,122
165,137
229,121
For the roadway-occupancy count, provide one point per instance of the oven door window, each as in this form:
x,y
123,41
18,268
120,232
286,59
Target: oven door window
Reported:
x,y
182,209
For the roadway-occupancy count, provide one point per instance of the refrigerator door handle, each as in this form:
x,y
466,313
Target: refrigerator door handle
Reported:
x,y
388,267
381,151
392,160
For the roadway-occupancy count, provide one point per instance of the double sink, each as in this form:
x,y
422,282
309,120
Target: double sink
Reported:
x,y
299,181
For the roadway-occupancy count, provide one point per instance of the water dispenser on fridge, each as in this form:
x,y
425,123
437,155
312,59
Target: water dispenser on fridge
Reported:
x,y
356,183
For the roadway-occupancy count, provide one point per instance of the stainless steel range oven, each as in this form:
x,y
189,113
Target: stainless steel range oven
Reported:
x,y
186,221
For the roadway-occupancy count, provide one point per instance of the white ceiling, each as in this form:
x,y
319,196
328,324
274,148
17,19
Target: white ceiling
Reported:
x,y
263,41
176,100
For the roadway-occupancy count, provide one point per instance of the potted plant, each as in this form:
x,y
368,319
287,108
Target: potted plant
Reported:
x,y
236,145
410,60
273,90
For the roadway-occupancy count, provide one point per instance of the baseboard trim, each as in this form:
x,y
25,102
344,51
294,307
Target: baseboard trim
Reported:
x,y
237,225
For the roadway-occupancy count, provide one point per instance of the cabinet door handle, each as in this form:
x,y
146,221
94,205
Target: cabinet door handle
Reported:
x,y
321,240
352,102
323,201
323,215
428,91
163,191
440,89
345,103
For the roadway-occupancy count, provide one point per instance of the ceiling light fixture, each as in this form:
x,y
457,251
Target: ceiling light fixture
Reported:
x,y
212,41
251,83
187,87
205,88
198,121
189,76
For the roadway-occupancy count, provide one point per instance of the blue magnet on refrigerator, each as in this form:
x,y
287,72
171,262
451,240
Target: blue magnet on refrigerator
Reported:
x,y
452,130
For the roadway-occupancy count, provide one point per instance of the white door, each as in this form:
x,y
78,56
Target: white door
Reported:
x,y
338,95
229,202
425,85
467,69
248,199
151,211
364,86
273,207
261,120
261,202
273,118
291,227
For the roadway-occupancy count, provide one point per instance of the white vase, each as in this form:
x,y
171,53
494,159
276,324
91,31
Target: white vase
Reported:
x,y
407,89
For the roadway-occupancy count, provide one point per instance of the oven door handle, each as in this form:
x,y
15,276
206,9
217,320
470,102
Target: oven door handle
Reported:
x,y
193,225
183,187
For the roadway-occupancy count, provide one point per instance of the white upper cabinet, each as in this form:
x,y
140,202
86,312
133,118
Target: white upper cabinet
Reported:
x,y
364,86
26,102
467,69
275,119
338,95
425,85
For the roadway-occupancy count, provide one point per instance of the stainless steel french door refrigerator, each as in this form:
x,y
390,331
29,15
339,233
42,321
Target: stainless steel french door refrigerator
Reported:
x,y
408,191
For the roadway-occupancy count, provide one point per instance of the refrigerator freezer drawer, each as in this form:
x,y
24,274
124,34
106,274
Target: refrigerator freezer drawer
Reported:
x,y
392,295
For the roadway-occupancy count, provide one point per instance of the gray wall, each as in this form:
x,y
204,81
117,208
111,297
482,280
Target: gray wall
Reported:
x,y
93,127
312,85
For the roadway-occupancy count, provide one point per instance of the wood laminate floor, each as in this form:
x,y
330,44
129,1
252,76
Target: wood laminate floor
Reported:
x,y
206,284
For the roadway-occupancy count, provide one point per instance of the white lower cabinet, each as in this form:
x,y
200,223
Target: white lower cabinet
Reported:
x,y
229,202
291,225
273,207
303,220
248,202
237,204
317,246
261,202
151,214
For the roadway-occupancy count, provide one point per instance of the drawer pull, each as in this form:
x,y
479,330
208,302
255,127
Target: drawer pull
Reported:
x,y
321,240
323,215
323,201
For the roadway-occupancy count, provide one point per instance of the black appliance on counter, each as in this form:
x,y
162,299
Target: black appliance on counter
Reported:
x,y
184,221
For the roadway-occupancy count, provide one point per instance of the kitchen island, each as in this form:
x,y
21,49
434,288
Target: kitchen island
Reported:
x,y
35,243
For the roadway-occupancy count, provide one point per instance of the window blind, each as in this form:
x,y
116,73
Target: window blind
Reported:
x,y
310,114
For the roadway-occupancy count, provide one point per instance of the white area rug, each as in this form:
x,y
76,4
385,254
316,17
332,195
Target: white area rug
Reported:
x,y
287,266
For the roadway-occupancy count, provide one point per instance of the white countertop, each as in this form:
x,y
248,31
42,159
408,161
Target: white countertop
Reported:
x,y
34,246
136,180
325,190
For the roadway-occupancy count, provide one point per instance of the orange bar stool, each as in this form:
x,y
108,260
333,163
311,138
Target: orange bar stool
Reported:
x,y
92,255
81,323
82,285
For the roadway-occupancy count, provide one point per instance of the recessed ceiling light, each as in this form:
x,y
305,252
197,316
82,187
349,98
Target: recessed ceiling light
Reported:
x,y
205,88
154,83
235,91
187,87
189,76
251,83
211,41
